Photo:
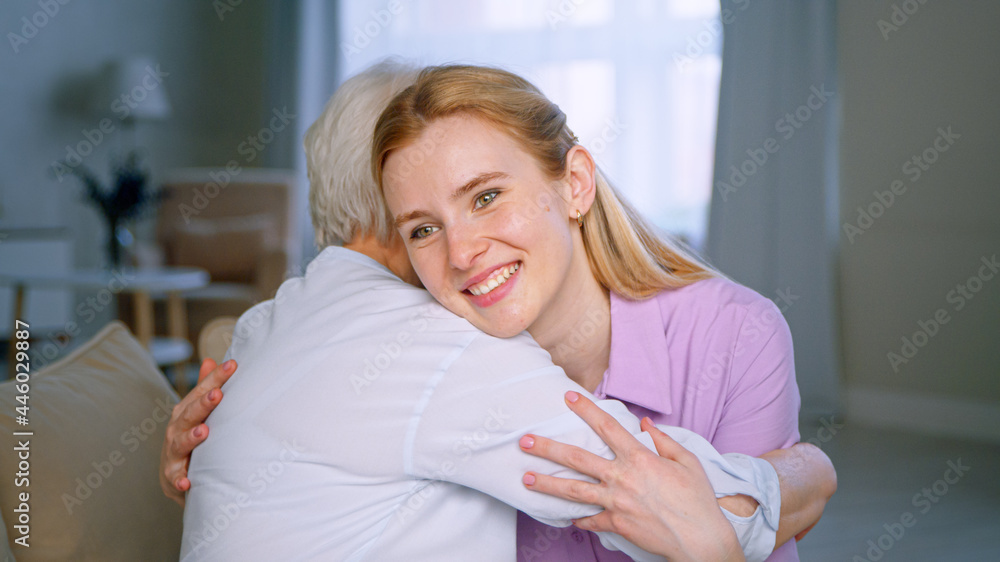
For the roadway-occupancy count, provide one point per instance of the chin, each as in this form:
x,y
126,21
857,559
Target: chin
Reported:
x,y
495,329
506,327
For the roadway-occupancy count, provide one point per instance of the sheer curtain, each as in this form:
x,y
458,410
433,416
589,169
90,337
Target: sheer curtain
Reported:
x,y
638,80
774,211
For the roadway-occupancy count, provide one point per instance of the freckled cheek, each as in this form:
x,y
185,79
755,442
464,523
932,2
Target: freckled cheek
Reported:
x,y
426,270
509,225
444,298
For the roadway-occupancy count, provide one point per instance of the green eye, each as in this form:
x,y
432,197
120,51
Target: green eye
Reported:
x,y
422,232
485,199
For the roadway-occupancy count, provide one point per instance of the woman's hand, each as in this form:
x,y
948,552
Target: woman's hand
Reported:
x,y
662,503
187,429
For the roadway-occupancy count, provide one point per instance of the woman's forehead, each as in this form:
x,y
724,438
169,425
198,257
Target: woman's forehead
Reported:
x,y
458,144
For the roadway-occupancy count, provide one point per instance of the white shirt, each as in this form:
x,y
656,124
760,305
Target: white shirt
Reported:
x,y
366,422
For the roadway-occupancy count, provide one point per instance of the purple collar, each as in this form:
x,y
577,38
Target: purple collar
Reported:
x,y
639,367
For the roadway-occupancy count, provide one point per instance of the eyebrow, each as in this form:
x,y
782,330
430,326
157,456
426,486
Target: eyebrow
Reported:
x,y
476,182
460,192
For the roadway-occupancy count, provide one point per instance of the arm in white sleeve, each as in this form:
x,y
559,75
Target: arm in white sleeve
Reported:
x,y
492,392
732,474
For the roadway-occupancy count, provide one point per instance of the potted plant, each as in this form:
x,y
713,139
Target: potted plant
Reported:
x,y
127,199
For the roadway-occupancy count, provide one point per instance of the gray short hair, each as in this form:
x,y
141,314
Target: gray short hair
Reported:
x,y
344,200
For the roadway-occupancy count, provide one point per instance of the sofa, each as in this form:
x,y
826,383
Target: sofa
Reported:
x,y
97,419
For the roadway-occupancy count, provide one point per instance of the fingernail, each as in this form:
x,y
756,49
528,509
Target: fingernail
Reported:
x,y
529,479
647,421
527,442
199,431
213,394
229,365
572,397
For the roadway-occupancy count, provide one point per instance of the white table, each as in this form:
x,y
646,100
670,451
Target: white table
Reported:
x,y
142,284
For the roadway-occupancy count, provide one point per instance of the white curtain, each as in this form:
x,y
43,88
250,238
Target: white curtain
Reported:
x,y
637,80
774,210
301,74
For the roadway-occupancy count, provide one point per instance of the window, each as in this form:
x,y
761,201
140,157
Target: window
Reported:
x,y
638,80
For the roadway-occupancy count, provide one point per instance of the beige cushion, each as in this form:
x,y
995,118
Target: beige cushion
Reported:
x,y
98,418
5,554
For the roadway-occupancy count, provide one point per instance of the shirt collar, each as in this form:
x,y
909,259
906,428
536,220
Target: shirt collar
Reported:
x,y
332,254
639,367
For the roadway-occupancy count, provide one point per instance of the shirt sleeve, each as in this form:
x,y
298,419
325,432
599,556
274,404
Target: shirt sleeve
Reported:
x,y
762,406
491,392
479,406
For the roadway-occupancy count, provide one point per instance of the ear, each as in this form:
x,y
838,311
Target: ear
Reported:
x,y
581,177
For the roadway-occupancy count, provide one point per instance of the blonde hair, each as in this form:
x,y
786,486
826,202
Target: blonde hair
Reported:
x,y
344,200
626,254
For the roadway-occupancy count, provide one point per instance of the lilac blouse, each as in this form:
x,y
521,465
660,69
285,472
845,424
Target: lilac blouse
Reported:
x,y
713,357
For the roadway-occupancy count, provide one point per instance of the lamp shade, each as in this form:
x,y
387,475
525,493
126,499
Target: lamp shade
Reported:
x,y
136,89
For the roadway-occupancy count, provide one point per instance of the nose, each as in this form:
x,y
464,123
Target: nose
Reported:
x,y
465,245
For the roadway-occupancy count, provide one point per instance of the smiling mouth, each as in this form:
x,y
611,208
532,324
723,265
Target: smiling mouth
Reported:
x,y
497,278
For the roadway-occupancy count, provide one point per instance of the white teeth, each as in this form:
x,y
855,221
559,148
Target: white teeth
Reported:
x,y
503,274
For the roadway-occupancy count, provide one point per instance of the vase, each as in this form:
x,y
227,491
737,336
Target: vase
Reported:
x,y
118,244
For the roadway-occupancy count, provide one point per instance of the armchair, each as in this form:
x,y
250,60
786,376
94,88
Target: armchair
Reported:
x,y
239,227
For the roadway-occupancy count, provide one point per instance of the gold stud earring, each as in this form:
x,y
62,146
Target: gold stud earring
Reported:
x,y
579,219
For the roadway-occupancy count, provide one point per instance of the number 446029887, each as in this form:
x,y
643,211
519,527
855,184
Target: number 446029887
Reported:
x,y
22,368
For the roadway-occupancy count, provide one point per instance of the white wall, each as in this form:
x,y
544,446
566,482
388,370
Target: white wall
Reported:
x,y
900,87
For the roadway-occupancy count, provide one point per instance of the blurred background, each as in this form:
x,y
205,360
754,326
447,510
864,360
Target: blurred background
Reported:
x,y
835,156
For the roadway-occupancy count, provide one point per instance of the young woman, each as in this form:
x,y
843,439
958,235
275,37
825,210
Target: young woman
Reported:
x,y
509,223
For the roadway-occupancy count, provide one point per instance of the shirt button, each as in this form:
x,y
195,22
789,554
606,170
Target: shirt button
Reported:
x,y
577,536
